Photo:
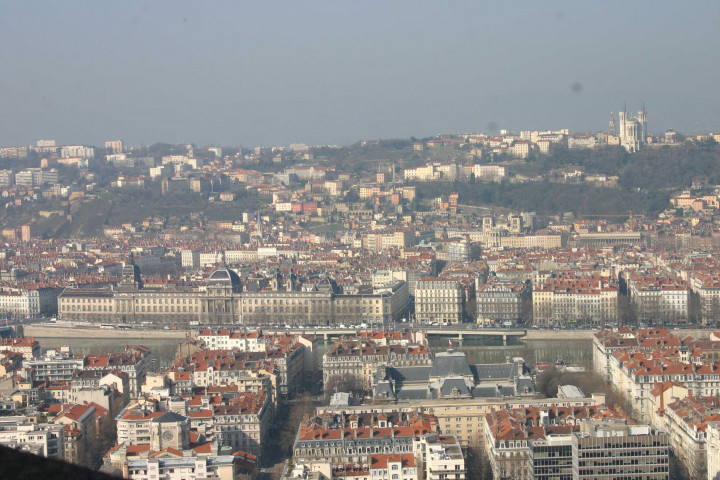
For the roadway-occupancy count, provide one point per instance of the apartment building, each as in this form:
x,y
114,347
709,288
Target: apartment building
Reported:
x,y
461,417
359,357
607,451
658,297
24,433
501,240
28,347
158,444
227,339
293,354
7,178
442,457
550,458
114,146
637,373
378,241
173,467
488,171
607,342
133,361
382,466
284,366
423,173
70,151
29,302
502,301
440,300
713,450
707,287
342,439
244,423
686,422
574,298
54,366
79,422
240,421
510,435
140,423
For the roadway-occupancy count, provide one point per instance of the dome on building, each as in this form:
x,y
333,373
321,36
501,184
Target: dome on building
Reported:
x,y
131,279
131,271
224,277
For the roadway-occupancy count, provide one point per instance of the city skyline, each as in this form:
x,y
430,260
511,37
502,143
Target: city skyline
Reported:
x,y
434,256
254,75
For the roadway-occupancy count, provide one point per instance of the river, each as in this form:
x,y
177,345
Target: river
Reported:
x,y
478,351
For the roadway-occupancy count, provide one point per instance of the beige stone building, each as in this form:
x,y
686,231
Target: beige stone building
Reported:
x,y
223,301
574,299
439,300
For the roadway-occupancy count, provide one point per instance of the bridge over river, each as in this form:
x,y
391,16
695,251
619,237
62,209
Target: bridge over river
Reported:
x,y
452,332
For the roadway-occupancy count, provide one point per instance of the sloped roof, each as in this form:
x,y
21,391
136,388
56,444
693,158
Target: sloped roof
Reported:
x,y
169,417
499,371
447,385
450,363
410,374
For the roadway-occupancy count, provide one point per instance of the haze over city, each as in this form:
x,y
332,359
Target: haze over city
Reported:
x,y
369,240
273,73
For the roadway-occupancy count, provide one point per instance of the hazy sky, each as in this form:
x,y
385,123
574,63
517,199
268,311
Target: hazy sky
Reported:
x,y
334,72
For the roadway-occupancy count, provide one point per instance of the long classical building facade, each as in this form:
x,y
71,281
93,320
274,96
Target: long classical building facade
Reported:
x,y
223,301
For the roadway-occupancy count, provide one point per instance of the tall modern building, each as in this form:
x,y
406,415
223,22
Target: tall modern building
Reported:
x,y
607,451
551,458
114,146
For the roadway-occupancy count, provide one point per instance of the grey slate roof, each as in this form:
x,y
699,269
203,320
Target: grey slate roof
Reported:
x,y
169,417
410,374
414,393
447,385
507,391
494,371
450,363
384,389
450,372
524,383
484,391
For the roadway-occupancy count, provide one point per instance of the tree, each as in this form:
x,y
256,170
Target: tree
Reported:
x,y
526,310
695,314
289,418
470,310
714,311
97,447
589,382
627,311
344,383
352,196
